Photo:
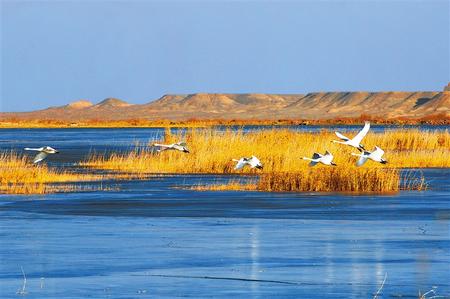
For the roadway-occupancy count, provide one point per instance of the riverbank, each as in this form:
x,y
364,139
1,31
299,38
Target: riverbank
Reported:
x,y
433,120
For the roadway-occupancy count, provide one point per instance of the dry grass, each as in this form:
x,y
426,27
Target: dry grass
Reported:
x,y
333,179
358,180
279,151
19,176
226,187
235,184
13,122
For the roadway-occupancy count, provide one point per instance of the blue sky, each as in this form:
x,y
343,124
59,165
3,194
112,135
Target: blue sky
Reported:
x,y
54,52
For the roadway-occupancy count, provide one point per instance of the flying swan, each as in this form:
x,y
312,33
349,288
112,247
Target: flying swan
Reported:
x,y
326,159
355,141
179,146
43,153
253,162
376,155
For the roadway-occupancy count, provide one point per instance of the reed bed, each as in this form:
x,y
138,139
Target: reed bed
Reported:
x,y
333,180
356,180
19,176
233,185
279,151
13,122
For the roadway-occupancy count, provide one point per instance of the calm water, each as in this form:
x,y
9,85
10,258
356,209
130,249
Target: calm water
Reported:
x,y
155,239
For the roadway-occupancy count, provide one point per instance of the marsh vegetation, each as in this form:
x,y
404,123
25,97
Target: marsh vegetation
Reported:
x,y
280,152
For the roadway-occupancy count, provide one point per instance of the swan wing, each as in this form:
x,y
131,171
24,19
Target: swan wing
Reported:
x,y
39,157
327,158
316,156
359,137
313,163
361,160
254,161
342,137
240,164
181,143
377,153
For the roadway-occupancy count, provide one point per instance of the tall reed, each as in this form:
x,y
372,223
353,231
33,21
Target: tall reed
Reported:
x,y
19,176
279,151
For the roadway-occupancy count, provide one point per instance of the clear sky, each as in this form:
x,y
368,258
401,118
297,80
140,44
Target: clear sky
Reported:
x,y
54,52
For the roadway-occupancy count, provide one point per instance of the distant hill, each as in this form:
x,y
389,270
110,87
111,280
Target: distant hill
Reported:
x,y
317,105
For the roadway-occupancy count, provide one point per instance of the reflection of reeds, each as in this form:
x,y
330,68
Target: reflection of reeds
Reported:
x,y
279,150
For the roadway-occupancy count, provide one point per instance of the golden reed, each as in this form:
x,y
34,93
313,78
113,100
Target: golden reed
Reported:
x,y
12,122
19,176
281,152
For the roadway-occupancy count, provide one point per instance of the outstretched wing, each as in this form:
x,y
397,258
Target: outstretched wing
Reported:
x,y
359,137
361,160
182,143
377,153
312,163
240,164
162,147
316,156
254,162
327,158
39,157
342,137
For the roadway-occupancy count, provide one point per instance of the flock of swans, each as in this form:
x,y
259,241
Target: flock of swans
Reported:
x,y
253,162
327,159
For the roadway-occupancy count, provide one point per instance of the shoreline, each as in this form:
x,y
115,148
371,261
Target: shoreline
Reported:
x,y
216,123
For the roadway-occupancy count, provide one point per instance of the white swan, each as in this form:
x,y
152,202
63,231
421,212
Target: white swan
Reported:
x,y
355,141
179,146
43,152
253,162
376,155
326,159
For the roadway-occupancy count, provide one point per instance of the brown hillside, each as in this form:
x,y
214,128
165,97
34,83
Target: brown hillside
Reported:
x,y
318,105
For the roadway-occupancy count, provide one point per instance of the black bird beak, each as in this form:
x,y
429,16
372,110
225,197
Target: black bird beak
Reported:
x,y
383,162
57,152
186,151
334,164
259,167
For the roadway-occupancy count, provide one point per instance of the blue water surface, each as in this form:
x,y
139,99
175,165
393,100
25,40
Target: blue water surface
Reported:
x,y
156,238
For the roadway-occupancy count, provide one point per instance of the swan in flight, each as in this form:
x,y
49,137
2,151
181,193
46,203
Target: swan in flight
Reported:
x,y
253,162
376,155
355,141
179,146
43,152
326,159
